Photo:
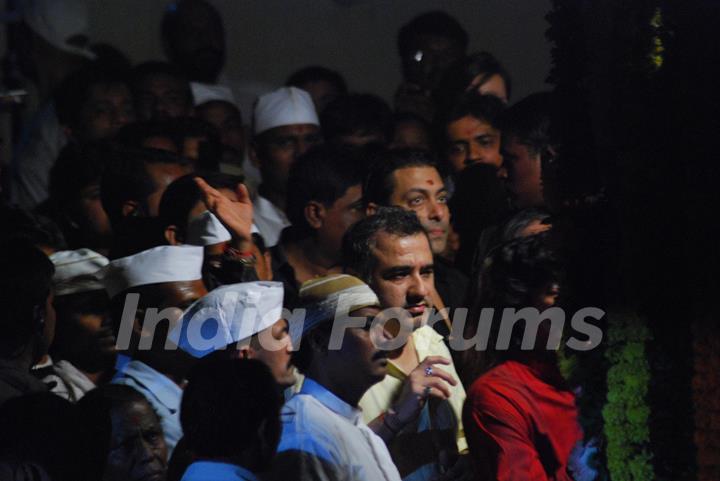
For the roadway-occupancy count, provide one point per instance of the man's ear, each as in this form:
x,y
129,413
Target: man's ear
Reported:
x,y
171,235
130,208
371,209
314,214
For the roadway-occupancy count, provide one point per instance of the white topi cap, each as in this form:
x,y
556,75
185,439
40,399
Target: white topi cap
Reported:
x,y
153,266
227,315
284,106
206,93
205,229
57,22
75,271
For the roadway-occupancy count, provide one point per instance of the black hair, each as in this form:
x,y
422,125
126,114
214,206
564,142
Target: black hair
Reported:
x,y
126,178
25,284
530,121
317,340
181,196
487,108
379,184
110,58
323,174
360,240
436,23
316,73
156,67
480,200
240,393
72,93
169,25
77,166
458,78
33,228
357,113
45,429
96,408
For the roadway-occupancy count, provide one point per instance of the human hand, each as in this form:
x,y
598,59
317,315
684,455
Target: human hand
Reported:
x,y
426,380
236,216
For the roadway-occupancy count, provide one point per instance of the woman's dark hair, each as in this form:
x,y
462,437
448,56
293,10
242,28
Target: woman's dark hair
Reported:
x,y
226,403
512,276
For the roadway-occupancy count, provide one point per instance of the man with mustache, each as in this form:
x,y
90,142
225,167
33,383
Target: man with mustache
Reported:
x,y
409,178
417,407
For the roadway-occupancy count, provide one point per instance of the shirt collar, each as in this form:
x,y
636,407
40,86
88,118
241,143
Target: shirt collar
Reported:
x,y
162,387
217,471
330,400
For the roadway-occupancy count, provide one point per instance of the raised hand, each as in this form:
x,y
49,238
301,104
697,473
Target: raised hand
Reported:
x,y
236,216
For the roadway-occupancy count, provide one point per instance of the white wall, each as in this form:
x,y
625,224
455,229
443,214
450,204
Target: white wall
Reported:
x,y
268,39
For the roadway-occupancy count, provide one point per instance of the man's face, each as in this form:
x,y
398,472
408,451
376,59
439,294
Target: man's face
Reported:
x,y
162,97
197,43
226,118
278,148
107,109
91,217
359,354
421,189
403,273
90,339
472,141
273,348
137,446
322,93
427,62
162,175
338,218
524,173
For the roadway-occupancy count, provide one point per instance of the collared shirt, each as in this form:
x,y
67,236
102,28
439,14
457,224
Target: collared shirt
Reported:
x,y
269,219
519,426
217,471
70,382
161,392
438,432
330,440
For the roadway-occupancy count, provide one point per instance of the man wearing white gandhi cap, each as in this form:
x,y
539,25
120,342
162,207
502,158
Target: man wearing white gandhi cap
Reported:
x,y
285,125
165,280
83,349
240,321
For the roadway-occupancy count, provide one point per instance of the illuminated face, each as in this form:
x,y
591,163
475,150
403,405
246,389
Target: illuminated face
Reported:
x,y
422,190
273,348
472,141
403,272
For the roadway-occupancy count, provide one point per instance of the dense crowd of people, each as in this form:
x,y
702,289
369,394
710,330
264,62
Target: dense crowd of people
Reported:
x,y
201,287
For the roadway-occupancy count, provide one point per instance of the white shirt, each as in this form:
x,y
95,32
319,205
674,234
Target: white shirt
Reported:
x,y
216,471
161,392
333,441
269,219
74,383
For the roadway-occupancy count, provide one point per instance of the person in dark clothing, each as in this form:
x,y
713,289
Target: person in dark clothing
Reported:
x,y
28,316
324,200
